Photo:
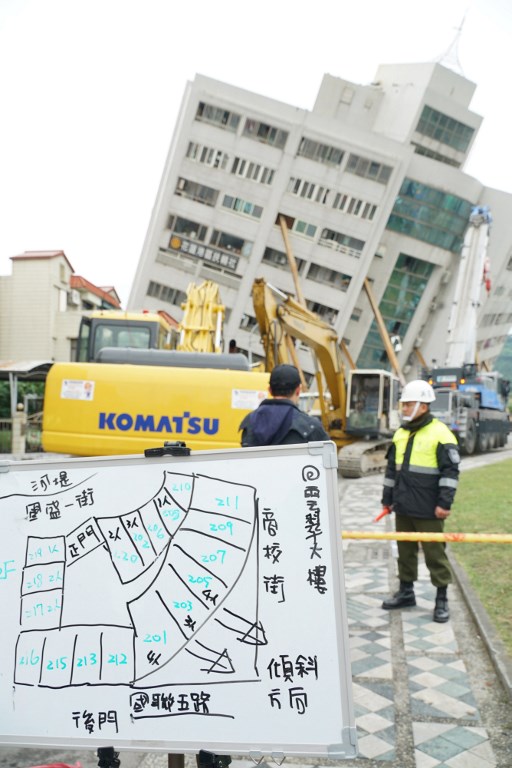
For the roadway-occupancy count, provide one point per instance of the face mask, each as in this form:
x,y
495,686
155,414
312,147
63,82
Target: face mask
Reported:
x,y
413,415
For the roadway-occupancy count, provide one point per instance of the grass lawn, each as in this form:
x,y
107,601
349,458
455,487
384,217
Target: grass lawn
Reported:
x,y
483,504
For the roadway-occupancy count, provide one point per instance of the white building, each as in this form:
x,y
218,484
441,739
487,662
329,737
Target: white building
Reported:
x,y
371,183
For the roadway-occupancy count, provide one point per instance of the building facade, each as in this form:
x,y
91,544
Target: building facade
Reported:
x,y
372,185
41,305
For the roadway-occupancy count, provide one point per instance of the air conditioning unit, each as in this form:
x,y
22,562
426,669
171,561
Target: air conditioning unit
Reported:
x,y
74,298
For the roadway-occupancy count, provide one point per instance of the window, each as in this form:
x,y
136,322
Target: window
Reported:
x,y
166,293
430,215
214,158
247,169
192,229
340,242
230,242
322,310
308,190
248,322
222,118
445,129
322,153
369,169
303,228
398,305
368,211
419,150
280,259
265,133
242,206
198,192
328,277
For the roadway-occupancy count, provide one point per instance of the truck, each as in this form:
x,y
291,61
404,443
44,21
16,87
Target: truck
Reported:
x,y
473,404
358,410
471,400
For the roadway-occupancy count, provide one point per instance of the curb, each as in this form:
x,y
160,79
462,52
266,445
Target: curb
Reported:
x,y
495,647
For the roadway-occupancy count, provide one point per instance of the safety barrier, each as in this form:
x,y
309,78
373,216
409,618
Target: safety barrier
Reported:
x,y
482,538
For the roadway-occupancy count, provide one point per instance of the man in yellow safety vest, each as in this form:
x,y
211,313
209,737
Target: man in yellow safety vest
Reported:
x,y
419,487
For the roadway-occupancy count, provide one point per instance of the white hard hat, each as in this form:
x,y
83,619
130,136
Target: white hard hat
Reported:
x,y
417,391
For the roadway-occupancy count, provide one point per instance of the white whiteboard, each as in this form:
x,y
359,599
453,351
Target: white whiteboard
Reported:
x,y
176,604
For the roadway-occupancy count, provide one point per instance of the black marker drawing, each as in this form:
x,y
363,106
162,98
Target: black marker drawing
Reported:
x,y
187,547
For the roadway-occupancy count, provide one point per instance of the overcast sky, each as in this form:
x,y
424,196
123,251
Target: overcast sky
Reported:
x,y
90,91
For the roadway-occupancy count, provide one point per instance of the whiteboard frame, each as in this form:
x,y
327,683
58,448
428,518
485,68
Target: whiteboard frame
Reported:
x,y
343,748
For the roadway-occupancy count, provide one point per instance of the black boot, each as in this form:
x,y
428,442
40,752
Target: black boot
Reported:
x,y
441,612
402,598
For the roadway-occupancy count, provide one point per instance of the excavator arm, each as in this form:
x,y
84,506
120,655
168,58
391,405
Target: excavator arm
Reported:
x,y
282,319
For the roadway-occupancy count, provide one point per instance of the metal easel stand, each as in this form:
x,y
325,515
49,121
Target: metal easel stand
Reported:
x,y
108,757
211,760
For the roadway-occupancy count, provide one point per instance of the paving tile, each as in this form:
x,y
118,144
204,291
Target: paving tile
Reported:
x,y
468,737
433,703
425,761
440,748
427,731
371,746
372,722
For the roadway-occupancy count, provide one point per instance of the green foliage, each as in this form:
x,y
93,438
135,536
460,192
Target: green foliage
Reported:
x,y
483,504
24,388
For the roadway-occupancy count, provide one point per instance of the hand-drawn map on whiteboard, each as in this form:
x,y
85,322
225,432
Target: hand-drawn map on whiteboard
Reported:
x,y
175,604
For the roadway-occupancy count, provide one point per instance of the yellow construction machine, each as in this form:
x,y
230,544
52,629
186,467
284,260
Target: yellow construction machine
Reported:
x,y
118,329
359,410
200,329
131,393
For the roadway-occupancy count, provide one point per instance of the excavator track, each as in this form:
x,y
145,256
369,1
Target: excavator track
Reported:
x,y
363,458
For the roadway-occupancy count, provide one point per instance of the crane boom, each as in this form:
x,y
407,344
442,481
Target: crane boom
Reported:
x,y
203,314
462,323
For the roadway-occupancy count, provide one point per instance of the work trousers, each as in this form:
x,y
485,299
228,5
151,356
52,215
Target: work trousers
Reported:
x,y
434,551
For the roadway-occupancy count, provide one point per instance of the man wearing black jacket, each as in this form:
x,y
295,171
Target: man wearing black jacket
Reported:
x,y
419,487
279,420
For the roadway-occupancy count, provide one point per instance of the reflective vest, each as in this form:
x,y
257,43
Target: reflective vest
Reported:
x,y
423,458
418,484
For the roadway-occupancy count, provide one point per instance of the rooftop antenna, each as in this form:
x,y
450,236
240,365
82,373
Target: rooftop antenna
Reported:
x,y
450,58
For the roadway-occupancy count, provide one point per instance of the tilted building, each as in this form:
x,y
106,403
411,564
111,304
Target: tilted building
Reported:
x,y
371,183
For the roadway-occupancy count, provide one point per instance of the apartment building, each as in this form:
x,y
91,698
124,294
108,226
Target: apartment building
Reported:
x,y
41,305
371,183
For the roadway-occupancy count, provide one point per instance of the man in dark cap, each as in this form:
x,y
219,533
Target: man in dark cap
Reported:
x,y
279,420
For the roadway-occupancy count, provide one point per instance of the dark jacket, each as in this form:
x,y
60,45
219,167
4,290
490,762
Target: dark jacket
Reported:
x,y
280,422
422,468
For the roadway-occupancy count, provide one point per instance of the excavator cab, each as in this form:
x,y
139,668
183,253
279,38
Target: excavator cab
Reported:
x,y
372,403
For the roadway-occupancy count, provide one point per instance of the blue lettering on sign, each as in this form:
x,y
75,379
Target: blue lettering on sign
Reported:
x,y
186,423
144,423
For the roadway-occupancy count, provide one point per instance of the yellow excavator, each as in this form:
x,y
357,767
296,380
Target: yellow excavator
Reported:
x,y
359,410
127,397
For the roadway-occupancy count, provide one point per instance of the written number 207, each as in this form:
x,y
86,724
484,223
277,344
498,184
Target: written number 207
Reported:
x,y
219,555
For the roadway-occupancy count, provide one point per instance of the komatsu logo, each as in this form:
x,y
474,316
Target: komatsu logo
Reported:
x,y
178,425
